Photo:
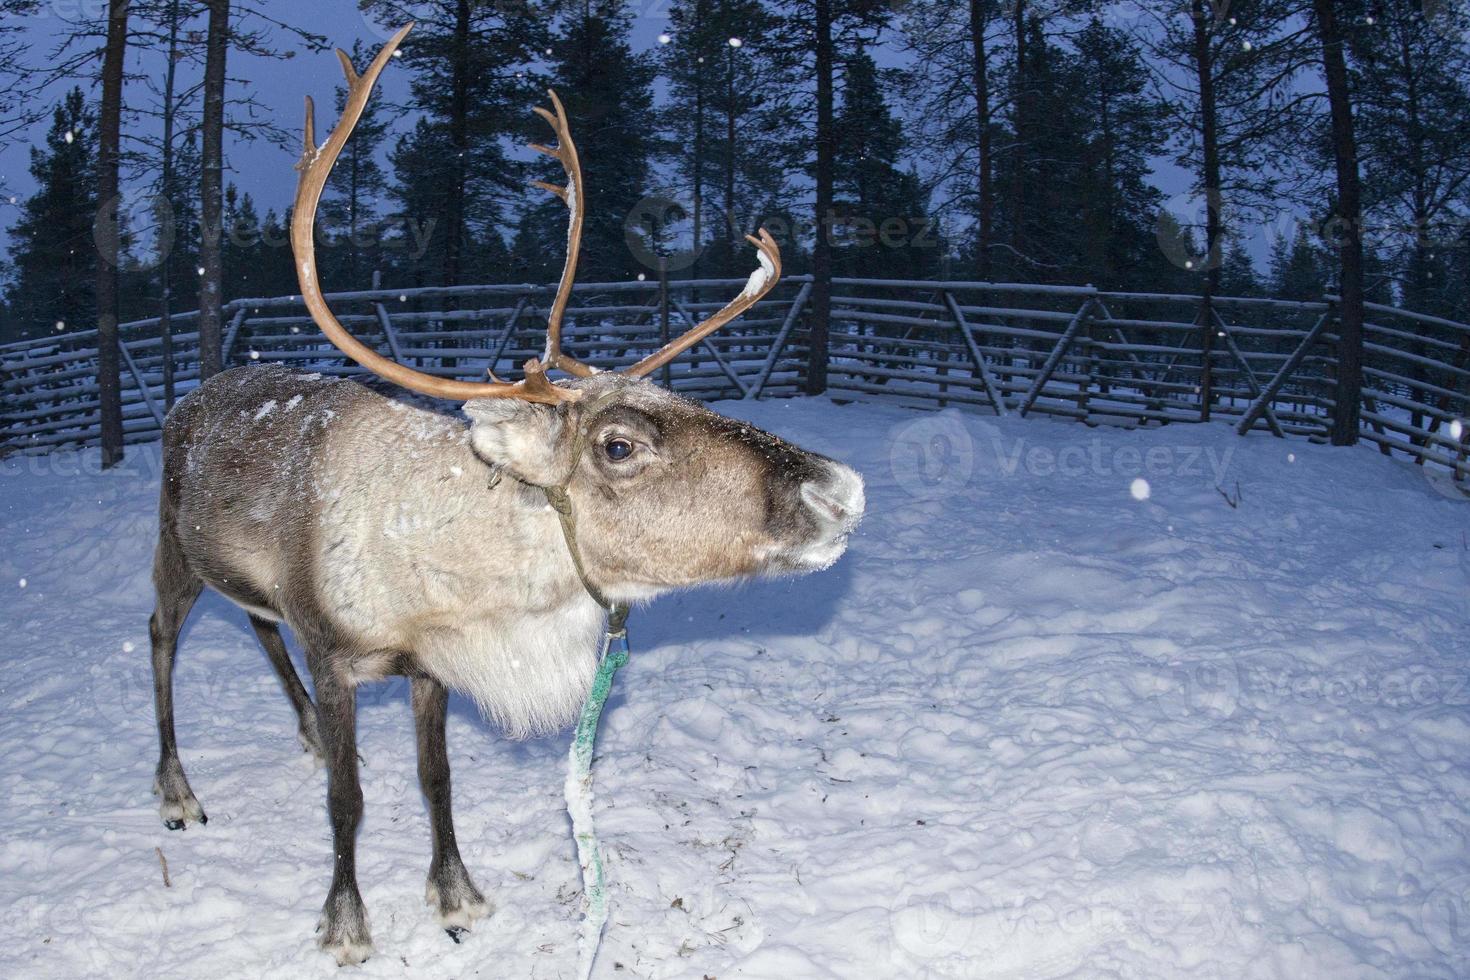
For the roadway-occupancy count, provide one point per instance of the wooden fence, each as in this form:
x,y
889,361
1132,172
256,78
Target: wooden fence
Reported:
x,y
1073,352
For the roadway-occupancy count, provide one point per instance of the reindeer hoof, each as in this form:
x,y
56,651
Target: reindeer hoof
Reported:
x,y
457,903
343,929
347,952
178,804
178,811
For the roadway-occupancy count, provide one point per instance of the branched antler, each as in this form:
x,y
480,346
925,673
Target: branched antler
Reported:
x,y
315,166
566,154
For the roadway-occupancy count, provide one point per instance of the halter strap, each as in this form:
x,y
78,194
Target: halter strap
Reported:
x,y
561,502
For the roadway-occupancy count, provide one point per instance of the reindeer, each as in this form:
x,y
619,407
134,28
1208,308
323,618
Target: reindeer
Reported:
x,y
485,558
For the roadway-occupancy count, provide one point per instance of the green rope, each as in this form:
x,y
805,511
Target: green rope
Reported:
x,y
578,788
578,791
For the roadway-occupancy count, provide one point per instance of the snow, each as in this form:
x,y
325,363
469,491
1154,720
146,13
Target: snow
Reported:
x,y
763,274
1029,727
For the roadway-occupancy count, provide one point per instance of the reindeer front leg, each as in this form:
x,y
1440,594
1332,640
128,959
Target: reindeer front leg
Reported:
x,y
450,892
344,925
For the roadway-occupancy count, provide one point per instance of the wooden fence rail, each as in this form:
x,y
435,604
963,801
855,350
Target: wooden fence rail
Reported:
x,y
1067,351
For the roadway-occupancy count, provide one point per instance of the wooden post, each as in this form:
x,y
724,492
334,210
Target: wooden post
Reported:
x,y
230,336
779,344
724,365
508,333
992,391
1258,407
211,190
1206,357
1056,355
1345,411
1136,367
819,324
142,385
1250,376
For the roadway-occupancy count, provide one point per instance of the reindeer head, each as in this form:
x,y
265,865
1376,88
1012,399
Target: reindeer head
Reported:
x,y
666,492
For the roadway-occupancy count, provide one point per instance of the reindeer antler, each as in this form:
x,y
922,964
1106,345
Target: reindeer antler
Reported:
x,y
315,166
761,281
571,195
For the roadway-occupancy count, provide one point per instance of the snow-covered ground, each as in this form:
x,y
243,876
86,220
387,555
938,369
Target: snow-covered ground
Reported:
x,y
1063,711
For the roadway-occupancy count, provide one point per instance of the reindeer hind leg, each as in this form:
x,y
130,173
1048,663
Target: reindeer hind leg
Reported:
x,y
309,726
177,587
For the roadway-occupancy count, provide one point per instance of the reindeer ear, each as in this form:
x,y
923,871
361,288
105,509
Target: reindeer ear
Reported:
x,y
525,438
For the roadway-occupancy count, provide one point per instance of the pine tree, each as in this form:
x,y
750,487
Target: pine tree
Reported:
x,y
423,193
244,257
211,190
108,234
815,35
608,93
472,81
951,83
53,258
1300,269
882,228
1412,101
1230,69
730,144
1238,275
175,221
1039,223
1121,131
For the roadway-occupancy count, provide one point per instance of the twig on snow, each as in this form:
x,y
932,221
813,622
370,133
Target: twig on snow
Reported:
x,y
1233,503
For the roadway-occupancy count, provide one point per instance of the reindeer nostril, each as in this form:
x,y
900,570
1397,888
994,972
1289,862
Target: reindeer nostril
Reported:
x,y
839,498
817,499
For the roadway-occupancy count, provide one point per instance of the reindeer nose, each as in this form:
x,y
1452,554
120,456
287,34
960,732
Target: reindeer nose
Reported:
x,y
837,497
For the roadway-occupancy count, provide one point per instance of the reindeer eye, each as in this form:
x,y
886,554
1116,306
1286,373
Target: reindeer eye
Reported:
x,y
618,449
